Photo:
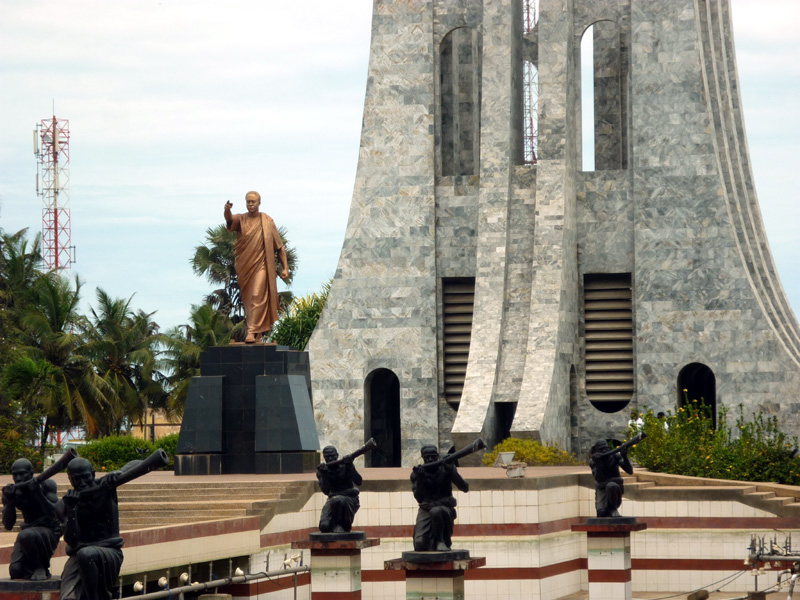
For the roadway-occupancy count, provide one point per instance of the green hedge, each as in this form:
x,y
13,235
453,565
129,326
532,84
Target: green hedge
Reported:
x,y
113,452
532,452
686,443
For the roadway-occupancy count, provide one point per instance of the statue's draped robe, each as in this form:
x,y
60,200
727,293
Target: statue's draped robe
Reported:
x,y
257,241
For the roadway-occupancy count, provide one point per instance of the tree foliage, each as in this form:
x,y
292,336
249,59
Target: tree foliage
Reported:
x,y
295,327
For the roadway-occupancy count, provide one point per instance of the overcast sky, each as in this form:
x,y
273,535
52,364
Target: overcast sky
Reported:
x,y
176,106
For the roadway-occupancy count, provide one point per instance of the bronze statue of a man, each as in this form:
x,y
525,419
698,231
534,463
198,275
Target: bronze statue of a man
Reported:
x,y
257,241
433,490
94,546
40,530
608,489
338,481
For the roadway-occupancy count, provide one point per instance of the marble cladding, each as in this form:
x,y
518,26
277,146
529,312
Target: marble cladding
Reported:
x,y
671,201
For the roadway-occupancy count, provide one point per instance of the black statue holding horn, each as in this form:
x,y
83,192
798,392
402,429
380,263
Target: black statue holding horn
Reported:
x,y
36,498
605,464
338,480
90,512
432,483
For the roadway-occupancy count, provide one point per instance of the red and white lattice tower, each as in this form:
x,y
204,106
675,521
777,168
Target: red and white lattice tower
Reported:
x,y
530,88
51,146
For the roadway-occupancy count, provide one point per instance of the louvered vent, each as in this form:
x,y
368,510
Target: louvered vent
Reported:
x,y
608,314
458,300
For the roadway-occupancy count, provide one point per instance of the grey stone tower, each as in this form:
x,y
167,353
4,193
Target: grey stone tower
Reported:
x,y
480,292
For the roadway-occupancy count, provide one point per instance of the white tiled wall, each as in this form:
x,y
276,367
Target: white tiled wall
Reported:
x,y
508,507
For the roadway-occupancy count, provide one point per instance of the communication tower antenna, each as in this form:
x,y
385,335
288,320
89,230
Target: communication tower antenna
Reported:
x,y
530,88
51,148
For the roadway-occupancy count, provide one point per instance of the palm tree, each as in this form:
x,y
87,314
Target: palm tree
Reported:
x,y
123,347
20,266
296,325
52,369
184,345
215,261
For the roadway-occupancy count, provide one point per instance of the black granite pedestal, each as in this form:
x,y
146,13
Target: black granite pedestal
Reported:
x,y
249,411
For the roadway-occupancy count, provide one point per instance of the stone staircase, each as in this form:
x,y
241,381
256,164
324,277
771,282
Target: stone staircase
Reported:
x,y
780,500
147,505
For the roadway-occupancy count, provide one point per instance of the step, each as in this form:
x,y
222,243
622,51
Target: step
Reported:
x,y
160,496
639,485
783,500
760,495
203,486
168,507
221,513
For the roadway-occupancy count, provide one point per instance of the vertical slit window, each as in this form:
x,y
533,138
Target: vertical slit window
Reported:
x,y
603,97
460,102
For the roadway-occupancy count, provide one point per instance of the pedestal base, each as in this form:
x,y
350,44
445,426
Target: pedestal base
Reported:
x,y
609,556
427,578
22,589
336,563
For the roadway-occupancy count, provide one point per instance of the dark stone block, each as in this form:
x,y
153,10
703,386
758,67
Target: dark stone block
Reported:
x,y
435,557
202,428
289,423
230,354
251,414
318,536
291,462
198,464
611,521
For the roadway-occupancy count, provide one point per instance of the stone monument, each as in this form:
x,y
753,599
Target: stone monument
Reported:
x,y
490,284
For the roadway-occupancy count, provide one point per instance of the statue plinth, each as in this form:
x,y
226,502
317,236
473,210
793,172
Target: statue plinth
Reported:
x,y
249,411
609,555
435,574
336,562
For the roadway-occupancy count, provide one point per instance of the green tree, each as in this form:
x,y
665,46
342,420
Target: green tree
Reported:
x,y
123,346
183,346
297,323
52,369
20,267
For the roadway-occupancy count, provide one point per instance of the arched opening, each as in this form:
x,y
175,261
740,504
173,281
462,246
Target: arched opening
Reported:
x,y
459,62
382,418
603,98
697,382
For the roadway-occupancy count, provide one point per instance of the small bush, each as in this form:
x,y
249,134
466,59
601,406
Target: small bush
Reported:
x,y
114,452
169,444
532,452
686,443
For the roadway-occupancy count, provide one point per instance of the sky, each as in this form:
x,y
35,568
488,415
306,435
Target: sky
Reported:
x,y
176,106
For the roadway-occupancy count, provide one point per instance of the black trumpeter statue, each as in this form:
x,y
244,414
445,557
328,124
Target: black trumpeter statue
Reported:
x,y
91,513
36,498
605,464
432,483
338,479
